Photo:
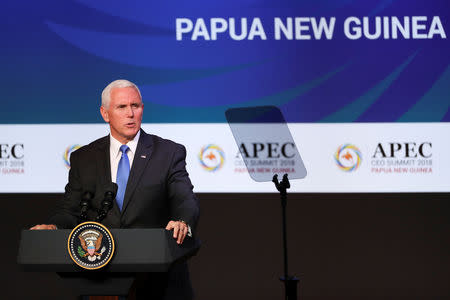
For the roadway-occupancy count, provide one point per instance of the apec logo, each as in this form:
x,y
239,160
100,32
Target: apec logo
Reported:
x,y
14,151
348,157
211,157
12,159
403,150
69,150
266,158
407,157
267,150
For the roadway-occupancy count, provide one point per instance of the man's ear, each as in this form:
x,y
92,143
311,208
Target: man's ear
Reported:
x,y
104,113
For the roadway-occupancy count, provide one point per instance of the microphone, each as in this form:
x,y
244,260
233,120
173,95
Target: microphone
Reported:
x,y
84,204
108,201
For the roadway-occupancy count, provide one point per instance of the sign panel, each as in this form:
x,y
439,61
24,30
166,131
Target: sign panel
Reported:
x,y
363,157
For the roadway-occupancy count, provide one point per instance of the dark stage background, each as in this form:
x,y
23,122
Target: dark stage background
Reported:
x,y
342,246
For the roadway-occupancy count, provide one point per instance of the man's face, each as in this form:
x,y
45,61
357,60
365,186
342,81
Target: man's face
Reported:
x,y
124,113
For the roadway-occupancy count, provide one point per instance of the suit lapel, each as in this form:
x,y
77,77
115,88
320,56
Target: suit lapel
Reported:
x,y
140,161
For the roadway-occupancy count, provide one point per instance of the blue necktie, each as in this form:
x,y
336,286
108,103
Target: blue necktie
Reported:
x,y
123,171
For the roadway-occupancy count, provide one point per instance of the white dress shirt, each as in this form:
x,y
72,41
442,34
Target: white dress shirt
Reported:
x,y
115,154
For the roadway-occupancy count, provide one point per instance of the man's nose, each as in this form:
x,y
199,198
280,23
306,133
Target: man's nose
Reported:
x,y
130,111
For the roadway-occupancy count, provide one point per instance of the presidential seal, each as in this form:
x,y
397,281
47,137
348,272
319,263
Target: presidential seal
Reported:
x,y
91,245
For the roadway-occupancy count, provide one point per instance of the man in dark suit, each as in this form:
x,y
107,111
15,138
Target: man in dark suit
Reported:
x,y
154,187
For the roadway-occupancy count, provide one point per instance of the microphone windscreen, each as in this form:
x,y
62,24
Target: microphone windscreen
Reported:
x,y
87,195
114,188
111,190
89,191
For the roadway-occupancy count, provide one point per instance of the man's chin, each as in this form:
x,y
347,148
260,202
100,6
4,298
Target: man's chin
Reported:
x,y
129,134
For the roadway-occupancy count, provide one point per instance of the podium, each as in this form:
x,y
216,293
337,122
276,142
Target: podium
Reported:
x,y
136,251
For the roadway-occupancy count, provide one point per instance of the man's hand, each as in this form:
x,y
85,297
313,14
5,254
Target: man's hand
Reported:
x,y
44,227
180,229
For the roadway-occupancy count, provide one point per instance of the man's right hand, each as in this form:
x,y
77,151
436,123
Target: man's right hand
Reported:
x,y
44,227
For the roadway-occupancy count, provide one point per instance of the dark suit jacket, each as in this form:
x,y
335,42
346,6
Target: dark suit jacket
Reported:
x,y
158,188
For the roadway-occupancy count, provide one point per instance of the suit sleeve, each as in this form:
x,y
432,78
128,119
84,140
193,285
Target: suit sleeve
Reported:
x,y
67,210
183,202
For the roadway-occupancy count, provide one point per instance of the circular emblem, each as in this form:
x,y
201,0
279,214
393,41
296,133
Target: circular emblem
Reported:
x,y
348,157
91,245
211,157
66,155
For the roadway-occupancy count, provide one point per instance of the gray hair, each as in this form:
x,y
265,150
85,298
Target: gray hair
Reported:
x,y
121,83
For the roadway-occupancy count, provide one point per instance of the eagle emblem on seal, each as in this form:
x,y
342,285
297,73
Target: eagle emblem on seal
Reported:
x,y
91,241
90,245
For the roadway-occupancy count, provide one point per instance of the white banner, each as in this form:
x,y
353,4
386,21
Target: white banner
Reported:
x,y
353,157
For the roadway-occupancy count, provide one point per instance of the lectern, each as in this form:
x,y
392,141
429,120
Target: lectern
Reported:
x,y
136,250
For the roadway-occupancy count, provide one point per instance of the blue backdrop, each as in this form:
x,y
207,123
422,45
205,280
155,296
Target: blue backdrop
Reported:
x,y
57,56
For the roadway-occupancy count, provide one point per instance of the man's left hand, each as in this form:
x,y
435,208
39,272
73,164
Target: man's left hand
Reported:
x,y
180,230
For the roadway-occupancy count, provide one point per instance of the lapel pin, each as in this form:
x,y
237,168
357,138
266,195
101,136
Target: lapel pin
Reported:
x,y
143,156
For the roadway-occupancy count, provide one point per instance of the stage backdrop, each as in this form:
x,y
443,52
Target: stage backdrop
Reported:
x,y
364,86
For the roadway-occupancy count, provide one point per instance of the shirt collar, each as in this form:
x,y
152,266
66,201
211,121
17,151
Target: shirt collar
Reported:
x,y
115,144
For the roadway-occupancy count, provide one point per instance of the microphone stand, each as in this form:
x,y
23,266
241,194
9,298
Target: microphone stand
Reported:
x,y
290,282
107,203
85,203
